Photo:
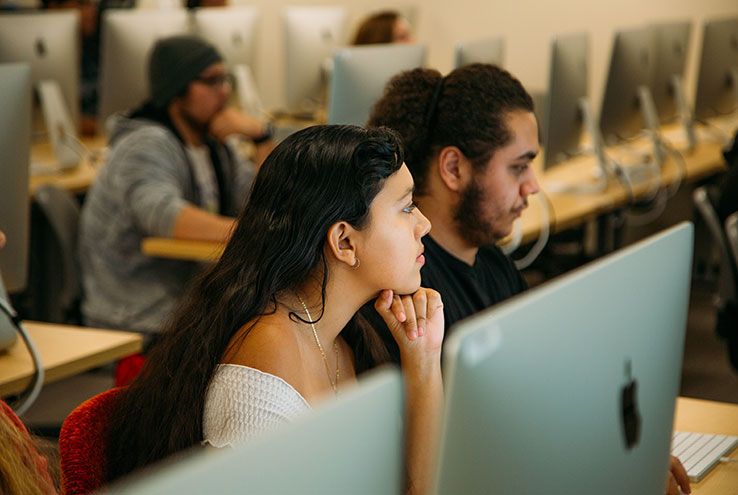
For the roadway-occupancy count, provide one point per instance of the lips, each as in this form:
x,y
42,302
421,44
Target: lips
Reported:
x,y
421,257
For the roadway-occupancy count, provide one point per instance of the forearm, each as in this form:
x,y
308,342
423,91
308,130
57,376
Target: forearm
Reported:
x,y
424,399
196,224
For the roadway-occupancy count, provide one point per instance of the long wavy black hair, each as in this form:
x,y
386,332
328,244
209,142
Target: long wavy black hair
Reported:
x,y
313,179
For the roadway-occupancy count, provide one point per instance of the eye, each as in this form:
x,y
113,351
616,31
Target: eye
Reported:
x,y
519,168
410,208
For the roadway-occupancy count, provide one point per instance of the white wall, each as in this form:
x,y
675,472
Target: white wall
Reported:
x,y
526,25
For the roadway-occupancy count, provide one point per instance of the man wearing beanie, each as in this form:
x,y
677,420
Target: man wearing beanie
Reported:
x,y
169,173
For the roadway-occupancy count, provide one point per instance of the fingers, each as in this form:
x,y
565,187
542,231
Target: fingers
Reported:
x,y
679,475
420,303
411,322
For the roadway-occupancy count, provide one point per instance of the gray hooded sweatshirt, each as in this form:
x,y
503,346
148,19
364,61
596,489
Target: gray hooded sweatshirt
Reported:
x,y
146,181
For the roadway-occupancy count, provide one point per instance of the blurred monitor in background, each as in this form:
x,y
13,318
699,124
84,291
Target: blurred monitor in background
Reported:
x,y
717,79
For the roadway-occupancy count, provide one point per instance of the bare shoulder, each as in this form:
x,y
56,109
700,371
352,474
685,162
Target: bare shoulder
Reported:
x,y
270,348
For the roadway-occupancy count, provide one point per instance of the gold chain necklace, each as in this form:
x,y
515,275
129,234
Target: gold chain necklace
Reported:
x,y
322,352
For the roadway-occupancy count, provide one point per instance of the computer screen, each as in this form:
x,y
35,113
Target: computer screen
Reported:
x,y
350,446
15,149
567,88
631,66
126,40
670,59
49,42
717,79
231,29
571,387
360,74
486,51
311,35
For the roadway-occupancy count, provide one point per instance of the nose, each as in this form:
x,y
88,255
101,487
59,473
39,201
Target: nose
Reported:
x,y
423,226
529,185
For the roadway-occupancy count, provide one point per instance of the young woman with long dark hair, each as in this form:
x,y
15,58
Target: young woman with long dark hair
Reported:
x,y
272,328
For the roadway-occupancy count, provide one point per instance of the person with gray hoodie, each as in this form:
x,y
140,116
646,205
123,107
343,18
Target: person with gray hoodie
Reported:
x,y
169,173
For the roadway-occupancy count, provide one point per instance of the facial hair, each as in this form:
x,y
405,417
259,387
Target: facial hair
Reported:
x,y
473,221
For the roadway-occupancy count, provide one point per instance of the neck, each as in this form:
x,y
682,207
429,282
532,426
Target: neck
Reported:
x,y
444,230
190,133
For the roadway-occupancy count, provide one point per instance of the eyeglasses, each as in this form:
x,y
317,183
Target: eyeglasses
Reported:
x,y
217,80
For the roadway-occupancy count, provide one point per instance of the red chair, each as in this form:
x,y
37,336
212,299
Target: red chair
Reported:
x,y
82,444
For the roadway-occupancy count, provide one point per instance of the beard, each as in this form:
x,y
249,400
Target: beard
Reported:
x,y
472,219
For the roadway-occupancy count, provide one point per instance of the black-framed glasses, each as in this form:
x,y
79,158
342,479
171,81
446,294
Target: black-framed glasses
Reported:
x,y
217,81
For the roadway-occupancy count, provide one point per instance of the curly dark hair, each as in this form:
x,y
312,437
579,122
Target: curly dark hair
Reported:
x,y
469,113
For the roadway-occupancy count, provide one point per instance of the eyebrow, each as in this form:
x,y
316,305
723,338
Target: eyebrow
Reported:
x,y
410,190
529,155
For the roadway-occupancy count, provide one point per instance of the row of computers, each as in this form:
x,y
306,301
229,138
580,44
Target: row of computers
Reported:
x,y
644,88
569,388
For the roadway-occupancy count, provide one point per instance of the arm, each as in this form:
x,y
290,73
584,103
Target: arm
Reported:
x,y
416,323
232,121
196,224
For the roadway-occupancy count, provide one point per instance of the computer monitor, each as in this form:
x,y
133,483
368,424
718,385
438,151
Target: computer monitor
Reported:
x,y
311,35
631,66
231,29
127,38
485,51
49,42
568,80
571,387
670,59
352,445
360,74
15,149
717,79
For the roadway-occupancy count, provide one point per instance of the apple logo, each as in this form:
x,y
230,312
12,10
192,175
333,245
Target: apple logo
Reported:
x,y
629,408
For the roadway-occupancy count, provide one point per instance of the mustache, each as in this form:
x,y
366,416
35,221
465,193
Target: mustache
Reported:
x,y
522,206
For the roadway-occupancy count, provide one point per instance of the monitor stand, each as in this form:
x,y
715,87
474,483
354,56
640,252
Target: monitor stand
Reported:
x,y
248,95
59,125
685,113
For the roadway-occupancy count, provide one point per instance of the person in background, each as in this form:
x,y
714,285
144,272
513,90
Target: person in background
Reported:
x,y
272,328
470,138
169,173
384,27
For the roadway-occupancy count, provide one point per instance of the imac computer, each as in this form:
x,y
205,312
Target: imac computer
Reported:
x,y
233,31
126,40
571,387
350,446
717,79
627,104
311,35
49,42
569,112
15,148
486,51
360,74
671,45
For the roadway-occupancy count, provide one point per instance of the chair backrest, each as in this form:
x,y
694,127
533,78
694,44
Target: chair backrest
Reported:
x,y
83,442
705,199
62,212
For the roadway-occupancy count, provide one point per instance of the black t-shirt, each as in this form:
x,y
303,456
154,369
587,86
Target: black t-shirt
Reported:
x,y
465,289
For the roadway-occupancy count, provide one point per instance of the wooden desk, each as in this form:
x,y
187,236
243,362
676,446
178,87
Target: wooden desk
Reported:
x,y
567,210
572,209
77,180
704,416
65,351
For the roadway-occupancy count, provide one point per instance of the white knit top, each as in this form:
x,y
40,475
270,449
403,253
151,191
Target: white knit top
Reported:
x,y
243,402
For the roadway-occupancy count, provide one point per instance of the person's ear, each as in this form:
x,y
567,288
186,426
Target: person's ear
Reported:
x,y
342,243
454,168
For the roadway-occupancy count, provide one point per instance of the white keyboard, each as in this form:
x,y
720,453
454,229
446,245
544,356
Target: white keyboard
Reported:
x,y
700,452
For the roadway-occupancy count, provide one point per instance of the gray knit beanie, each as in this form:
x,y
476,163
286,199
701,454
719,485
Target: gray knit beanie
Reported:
x,y
174,63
